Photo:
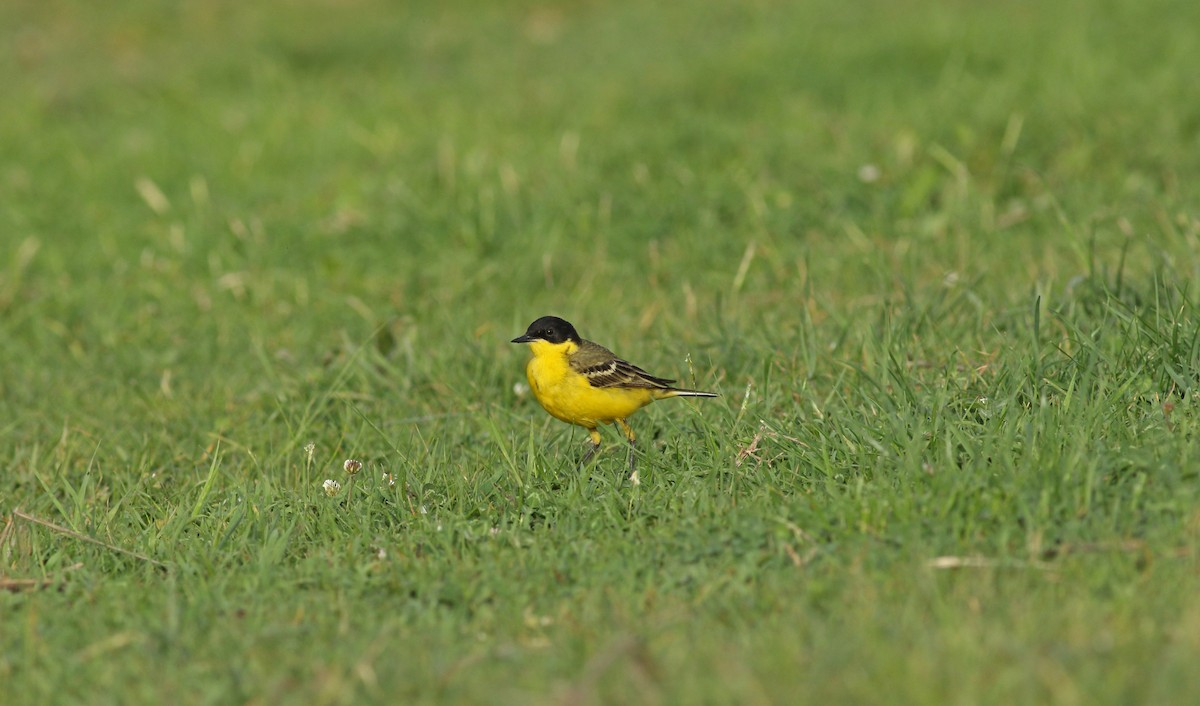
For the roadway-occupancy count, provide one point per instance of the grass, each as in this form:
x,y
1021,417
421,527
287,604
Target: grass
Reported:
x,y
935,256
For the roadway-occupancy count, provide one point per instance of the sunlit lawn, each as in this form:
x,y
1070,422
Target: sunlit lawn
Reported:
x,y
936,258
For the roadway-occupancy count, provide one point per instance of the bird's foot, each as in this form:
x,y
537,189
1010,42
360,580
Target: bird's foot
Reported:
x,y
587,457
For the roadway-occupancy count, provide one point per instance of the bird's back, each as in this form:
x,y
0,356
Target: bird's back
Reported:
x,y
604,369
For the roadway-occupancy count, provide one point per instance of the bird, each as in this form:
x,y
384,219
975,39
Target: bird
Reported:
x,y
584,383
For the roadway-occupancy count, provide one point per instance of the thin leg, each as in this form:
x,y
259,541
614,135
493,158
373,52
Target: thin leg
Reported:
x,y
632,446
595,435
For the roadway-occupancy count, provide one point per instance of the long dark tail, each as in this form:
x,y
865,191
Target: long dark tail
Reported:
x,y
677,392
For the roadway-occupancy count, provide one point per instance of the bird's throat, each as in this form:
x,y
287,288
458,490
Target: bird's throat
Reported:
x,y
546,349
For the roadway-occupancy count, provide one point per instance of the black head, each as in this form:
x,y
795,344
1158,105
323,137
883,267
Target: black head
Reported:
x,y
550,329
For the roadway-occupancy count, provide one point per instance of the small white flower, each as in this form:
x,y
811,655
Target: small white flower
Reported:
x,y
520,389
633,478
310,448
352,466
869,173
381,554
332,487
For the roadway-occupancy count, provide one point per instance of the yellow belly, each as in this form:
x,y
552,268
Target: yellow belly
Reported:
x,y
568,396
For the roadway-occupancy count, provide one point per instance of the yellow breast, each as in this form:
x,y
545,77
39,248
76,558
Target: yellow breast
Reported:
x,y
567,395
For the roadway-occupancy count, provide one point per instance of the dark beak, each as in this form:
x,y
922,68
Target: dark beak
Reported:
x,y
524,338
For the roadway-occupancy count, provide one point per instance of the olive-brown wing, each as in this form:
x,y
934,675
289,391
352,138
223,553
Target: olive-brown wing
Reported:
x,y
603,369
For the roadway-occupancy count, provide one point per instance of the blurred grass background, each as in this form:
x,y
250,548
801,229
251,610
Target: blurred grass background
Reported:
x,y
936,256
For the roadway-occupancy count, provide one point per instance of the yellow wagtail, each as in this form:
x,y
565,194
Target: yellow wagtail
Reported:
x,y
583,383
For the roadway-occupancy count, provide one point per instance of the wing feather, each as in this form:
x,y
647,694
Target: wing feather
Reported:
x,y
604,369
